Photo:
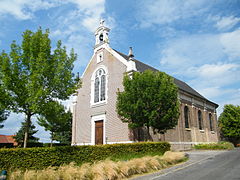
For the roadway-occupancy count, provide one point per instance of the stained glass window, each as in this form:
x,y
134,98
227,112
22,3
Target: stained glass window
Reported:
x,y
100,86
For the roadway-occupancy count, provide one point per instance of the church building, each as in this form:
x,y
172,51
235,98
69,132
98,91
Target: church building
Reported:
x,y
95,119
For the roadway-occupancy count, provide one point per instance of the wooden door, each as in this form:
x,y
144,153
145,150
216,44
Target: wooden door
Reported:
x,y
99,132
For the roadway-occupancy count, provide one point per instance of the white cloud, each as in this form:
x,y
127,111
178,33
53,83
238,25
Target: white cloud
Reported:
x,y
214,70
188,51
88,12
231,43
220,87
211,92
91,10
225,23
210,79
12,124
168,11
23,9
192,51
228,96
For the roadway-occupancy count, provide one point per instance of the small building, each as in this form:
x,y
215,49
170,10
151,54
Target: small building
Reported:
x,y
95,120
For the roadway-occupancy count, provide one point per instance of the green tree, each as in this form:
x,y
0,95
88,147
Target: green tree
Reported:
x,y
32,74
65,136
55,119
3,116
19,137
3,102
229,123
149,99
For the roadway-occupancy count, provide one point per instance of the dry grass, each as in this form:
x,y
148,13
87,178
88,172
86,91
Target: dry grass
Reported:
x,y
102,170
173,157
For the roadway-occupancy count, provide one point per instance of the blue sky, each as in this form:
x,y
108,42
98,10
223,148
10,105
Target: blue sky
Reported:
x,y
197,41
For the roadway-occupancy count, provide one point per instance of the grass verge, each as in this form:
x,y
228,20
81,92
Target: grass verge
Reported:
x,y
215,146
102,170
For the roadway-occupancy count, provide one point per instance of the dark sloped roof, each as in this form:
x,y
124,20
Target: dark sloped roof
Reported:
x,y
181,85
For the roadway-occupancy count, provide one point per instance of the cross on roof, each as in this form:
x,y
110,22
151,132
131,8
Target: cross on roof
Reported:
x,y
101,22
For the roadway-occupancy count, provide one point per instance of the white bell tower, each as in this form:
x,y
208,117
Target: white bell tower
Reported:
x,y
101,35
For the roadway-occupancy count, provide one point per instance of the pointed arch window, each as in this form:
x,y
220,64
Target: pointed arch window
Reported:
x,y
100,86
210,122
200,121
186,116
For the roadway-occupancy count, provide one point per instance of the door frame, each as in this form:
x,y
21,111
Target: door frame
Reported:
x,y
95,118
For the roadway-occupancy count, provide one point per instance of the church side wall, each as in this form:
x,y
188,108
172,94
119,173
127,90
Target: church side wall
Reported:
x,y
184,138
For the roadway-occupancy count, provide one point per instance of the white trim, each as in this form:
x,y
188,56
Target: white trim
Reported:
x,y
120,142
102,30
118,56
131,65
93,120
92,104
81,144
191,142
101,103
102,46
126,142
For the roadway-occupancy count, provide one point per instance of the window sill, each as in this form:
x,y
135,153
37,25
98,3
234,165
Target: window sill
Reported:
x,y
187,129
202,131
98,104
213,132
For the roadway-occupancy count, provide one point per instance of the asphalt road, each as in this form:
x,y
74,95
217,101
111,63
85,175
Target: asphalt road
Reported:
x,y
203,165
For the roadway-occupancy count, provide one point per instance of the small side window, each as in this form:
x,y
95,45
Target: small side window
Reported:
x,y
200,120
210,122
186,116
99,57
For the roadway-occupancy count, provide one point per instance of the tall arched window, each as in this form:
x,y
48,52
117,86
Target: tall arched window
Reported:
x,y
186,116
200,122
100,86
210,122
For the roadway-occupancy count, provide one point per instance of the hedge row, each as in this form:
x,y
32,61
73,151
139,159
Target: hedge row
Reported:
x,y
215,146
39,158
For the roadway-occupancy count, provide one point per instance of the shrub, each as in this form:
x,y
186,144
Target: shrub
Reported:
x,y
101,170
6,145
39,158
55,144
215,146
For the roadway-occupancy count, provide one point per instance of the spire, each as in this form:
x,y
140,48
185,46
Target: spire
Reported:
x,y
101,34
130,53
